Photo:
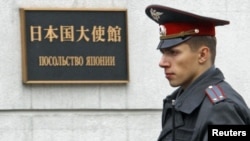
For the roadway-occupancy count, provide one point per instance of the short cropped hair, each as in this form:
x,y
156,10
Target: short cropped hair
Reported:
x,y
197,41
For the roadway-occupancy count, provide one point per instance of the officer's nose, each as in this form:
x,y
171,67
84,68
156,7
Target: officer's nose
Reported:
x,y
164,61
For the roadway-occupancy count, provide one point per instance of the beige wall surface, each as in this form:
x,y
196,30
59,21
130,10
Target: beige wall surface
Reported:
x,y
110,112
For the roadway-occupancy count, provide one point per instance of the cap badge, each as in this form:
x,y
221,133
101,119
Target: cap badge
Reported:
x,y
155,15
163,30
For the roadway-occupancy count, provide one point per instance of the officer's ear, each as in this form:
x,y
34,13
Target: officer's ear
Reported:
x,y
204,54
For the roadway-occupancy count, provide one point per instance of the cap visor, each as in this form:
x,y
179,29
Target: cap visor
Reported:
x,y
172,42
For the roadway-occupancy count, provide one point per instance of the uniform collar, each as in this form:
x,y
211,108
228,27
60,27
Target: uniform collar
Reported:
x,y
191,97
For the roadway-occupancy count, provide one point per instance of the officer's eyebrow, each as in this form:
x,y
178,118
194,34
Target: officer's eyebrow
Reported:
x,y
166,49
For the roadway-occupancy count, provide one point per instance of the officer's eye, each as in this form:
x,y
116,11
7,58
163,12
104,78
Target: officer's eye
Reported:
x,y
173,52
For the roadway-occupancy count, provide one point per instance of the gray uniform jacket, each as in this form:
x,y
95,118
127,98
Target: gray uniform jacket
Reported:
x,y
194,110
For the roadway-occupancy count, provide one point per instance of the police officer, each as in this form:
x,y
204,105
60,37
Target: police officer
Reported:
x,y
203,97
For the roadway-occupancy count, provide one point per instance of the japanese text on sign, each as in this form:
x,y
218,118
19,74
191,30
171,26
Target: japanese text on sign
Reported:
x,y
67,33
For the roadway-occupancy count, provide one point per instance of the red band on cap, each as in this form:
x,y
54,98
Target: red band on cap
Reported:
x,y
205,29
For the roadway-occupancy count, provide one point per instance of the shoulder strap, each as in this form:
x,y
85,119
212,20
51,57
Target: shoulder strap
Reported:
x,y
215,94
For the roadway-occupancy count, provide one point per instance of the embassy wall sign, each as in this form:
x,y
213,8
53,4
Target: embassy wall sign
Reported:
x,y
74,45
